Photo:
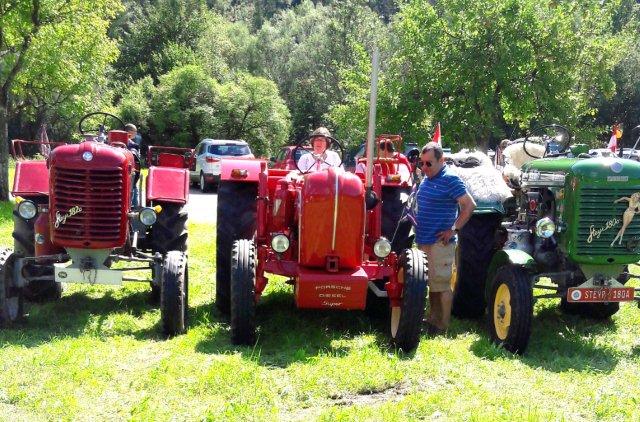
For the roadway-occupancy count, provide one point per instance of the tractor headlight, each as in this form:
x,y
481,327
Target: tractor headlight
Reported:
x,y
545,228
148,216
27,209
382,248
280,243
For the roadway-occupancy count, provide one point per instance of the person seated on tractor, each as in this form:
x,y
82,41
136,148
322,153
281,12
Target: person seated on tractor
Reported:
x,y
386,151
320,158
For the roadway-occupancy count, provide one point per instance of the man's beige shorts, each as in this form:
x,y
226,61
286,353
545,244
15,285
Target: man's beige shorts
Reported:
x,y
440,259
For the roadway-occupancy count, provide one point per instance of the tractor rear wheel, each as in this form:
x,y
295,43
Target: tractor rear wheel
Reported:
x,y
396,231
11,298
243,298
405,321
510,308
475,251
169,233
24,245
174,294
237,209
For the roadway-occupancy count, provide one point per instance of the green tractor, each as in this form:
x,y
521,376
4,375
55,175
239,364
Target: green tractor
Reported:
x,y
572,223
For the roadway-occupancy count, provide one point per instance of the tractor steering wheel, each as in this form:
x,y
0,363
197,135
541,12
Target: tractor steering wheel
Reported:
x,y
307,145
103,128
555,138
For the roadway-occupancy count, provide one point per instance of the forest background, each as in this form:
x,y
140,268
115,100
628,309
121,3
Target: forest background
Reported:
x,y
269,71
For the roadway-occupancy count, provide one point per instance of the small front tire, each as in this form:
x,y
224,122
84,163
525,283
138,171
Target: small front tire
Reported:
x,y
243,300
11,297
405,322
510,308
173,295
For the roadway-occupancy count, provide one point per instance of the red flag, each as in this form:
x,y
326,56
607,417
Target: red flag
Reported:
x,y
437,137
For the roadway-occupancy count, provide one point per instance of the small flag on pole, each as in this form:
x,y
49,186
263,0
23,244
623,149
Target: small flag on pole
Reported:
x,y
437,136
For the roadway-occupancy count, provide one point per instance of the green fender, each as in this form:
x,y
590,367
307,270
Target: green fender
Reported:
x,y
508,256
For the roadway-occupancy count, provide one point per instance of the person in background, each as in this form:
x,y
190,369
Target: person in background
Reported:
x,y
321,158
444,207
133,144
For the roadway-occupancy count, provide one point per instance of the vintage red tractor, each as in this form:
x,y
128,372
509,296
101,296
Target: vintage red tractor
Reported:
x,y
76,215
338,240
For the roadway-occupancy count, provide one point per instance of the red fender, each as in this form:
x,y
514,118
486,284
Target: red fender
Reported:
x,y
168,184
241,170
32,178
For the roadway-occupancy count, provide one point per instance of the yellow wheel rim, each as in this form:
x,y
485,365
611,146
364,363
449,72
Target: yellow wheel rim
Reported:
x,y
396,311
502,311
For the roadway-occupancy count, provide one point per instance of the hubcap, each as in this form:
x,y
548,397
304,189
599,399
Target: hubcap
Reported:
x,y
502,311
202,182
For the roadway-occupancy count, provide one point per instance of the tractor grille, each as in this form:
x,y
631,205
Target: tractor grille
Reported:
x,y
100,195
596,209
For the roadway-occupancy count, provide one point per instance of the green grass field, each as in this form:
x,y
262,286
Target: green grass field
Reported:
x,y
98,354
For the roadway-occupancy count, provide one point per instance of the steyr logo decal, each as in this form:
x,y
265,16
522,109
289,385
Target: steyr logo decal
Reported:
x,y
594,233
62,218
629,213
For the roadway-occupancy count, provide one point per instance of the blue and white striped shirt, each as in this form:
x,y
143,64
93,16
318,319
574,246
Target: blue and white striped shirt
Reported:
x,y
437,202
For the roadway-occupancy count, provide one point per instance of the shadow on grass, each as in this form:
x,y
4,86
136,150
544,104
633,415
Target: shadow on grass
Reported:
x,y
558,343
287,335
78,314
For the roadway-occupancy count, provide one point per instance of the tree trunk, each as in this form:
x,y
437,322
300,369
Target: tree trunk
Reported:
x,y
4,152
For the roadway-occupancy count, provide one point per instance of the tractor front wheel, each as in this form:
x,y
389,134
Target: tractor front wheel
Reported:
x,y
11,298
511,308
406,320
243,299
174,301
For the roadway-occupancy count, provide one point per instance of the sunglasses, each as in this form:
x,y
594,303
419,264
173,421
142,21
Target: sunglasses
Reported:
x,y
426,163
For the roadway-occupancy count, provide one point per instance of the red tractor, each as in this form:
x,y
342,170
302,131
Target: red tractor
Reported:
x,y
76,215
339,241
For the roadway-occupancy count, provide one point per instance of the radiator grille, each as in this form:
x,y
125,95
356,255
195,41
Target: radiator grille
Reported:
x,y
100,195
596,210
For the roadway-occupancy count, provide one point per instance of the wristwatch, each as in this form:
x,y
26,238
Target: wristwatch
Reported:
x,y
454,228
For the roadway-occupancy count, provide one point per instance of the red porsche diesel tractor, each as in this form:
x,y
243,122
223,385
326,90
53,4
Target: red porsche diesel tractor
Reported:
x,y
337,236
76,215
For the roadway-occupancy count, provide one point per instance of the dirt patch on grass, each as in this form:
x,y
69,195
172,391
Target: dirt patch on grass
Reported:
x,y
371,397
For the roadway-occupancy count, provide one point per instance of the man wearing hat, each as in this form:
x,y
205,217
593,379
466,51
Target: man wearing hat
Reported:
x,y
321,158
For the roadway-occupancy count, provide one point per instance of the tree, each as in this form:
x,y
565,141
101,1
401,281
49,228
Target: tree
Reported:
x,y
485,67
37,41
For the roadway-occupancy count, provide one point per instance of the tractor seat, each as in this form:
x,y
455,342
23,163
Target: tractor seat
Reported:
x,y
166,159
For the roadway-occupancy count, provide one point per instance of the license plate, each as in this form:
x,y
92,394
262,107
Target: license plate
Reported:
x,y
600,294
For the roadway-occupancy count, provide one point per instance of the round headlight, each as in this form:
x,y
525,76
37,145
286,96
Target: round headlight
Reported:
x,y
280,243
545,228
148,216
382,248
27,210
87,156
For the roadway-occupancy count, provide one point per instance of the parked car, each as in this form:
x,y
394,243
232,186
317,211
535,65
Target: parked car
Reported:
x,y
285,160
208,154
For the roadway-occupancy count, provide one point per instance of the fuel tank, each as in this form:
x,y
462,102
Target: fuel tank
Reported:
x,y
332,218
90,195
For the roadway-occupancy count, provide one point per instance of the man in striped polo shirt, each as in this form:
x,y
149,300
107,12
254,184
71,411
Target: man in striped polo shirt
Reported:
x,y
444,206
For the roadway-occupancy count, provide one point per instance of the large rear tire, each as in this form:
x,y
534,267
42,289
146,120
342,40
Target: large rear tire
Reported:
x,y
475,251
169,233
405,321
237,209
510,308
11,298
174,294
396,231
243,298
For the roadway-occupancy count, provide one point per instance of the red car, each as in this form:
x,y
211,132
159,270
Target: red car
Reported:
x,y
285,160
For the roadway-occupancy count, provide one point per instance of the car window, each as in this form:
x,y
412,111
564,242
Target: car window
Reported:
x,y
299,153
281,154
230,149
200,149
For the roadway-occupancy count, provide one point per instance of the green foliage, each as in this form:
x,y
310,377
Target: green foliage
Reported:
x,y
164,36
134,106
485,67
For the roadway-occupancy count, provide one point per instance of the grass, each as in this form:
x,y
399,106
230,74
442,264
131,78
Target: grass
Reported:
x,y
98,354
